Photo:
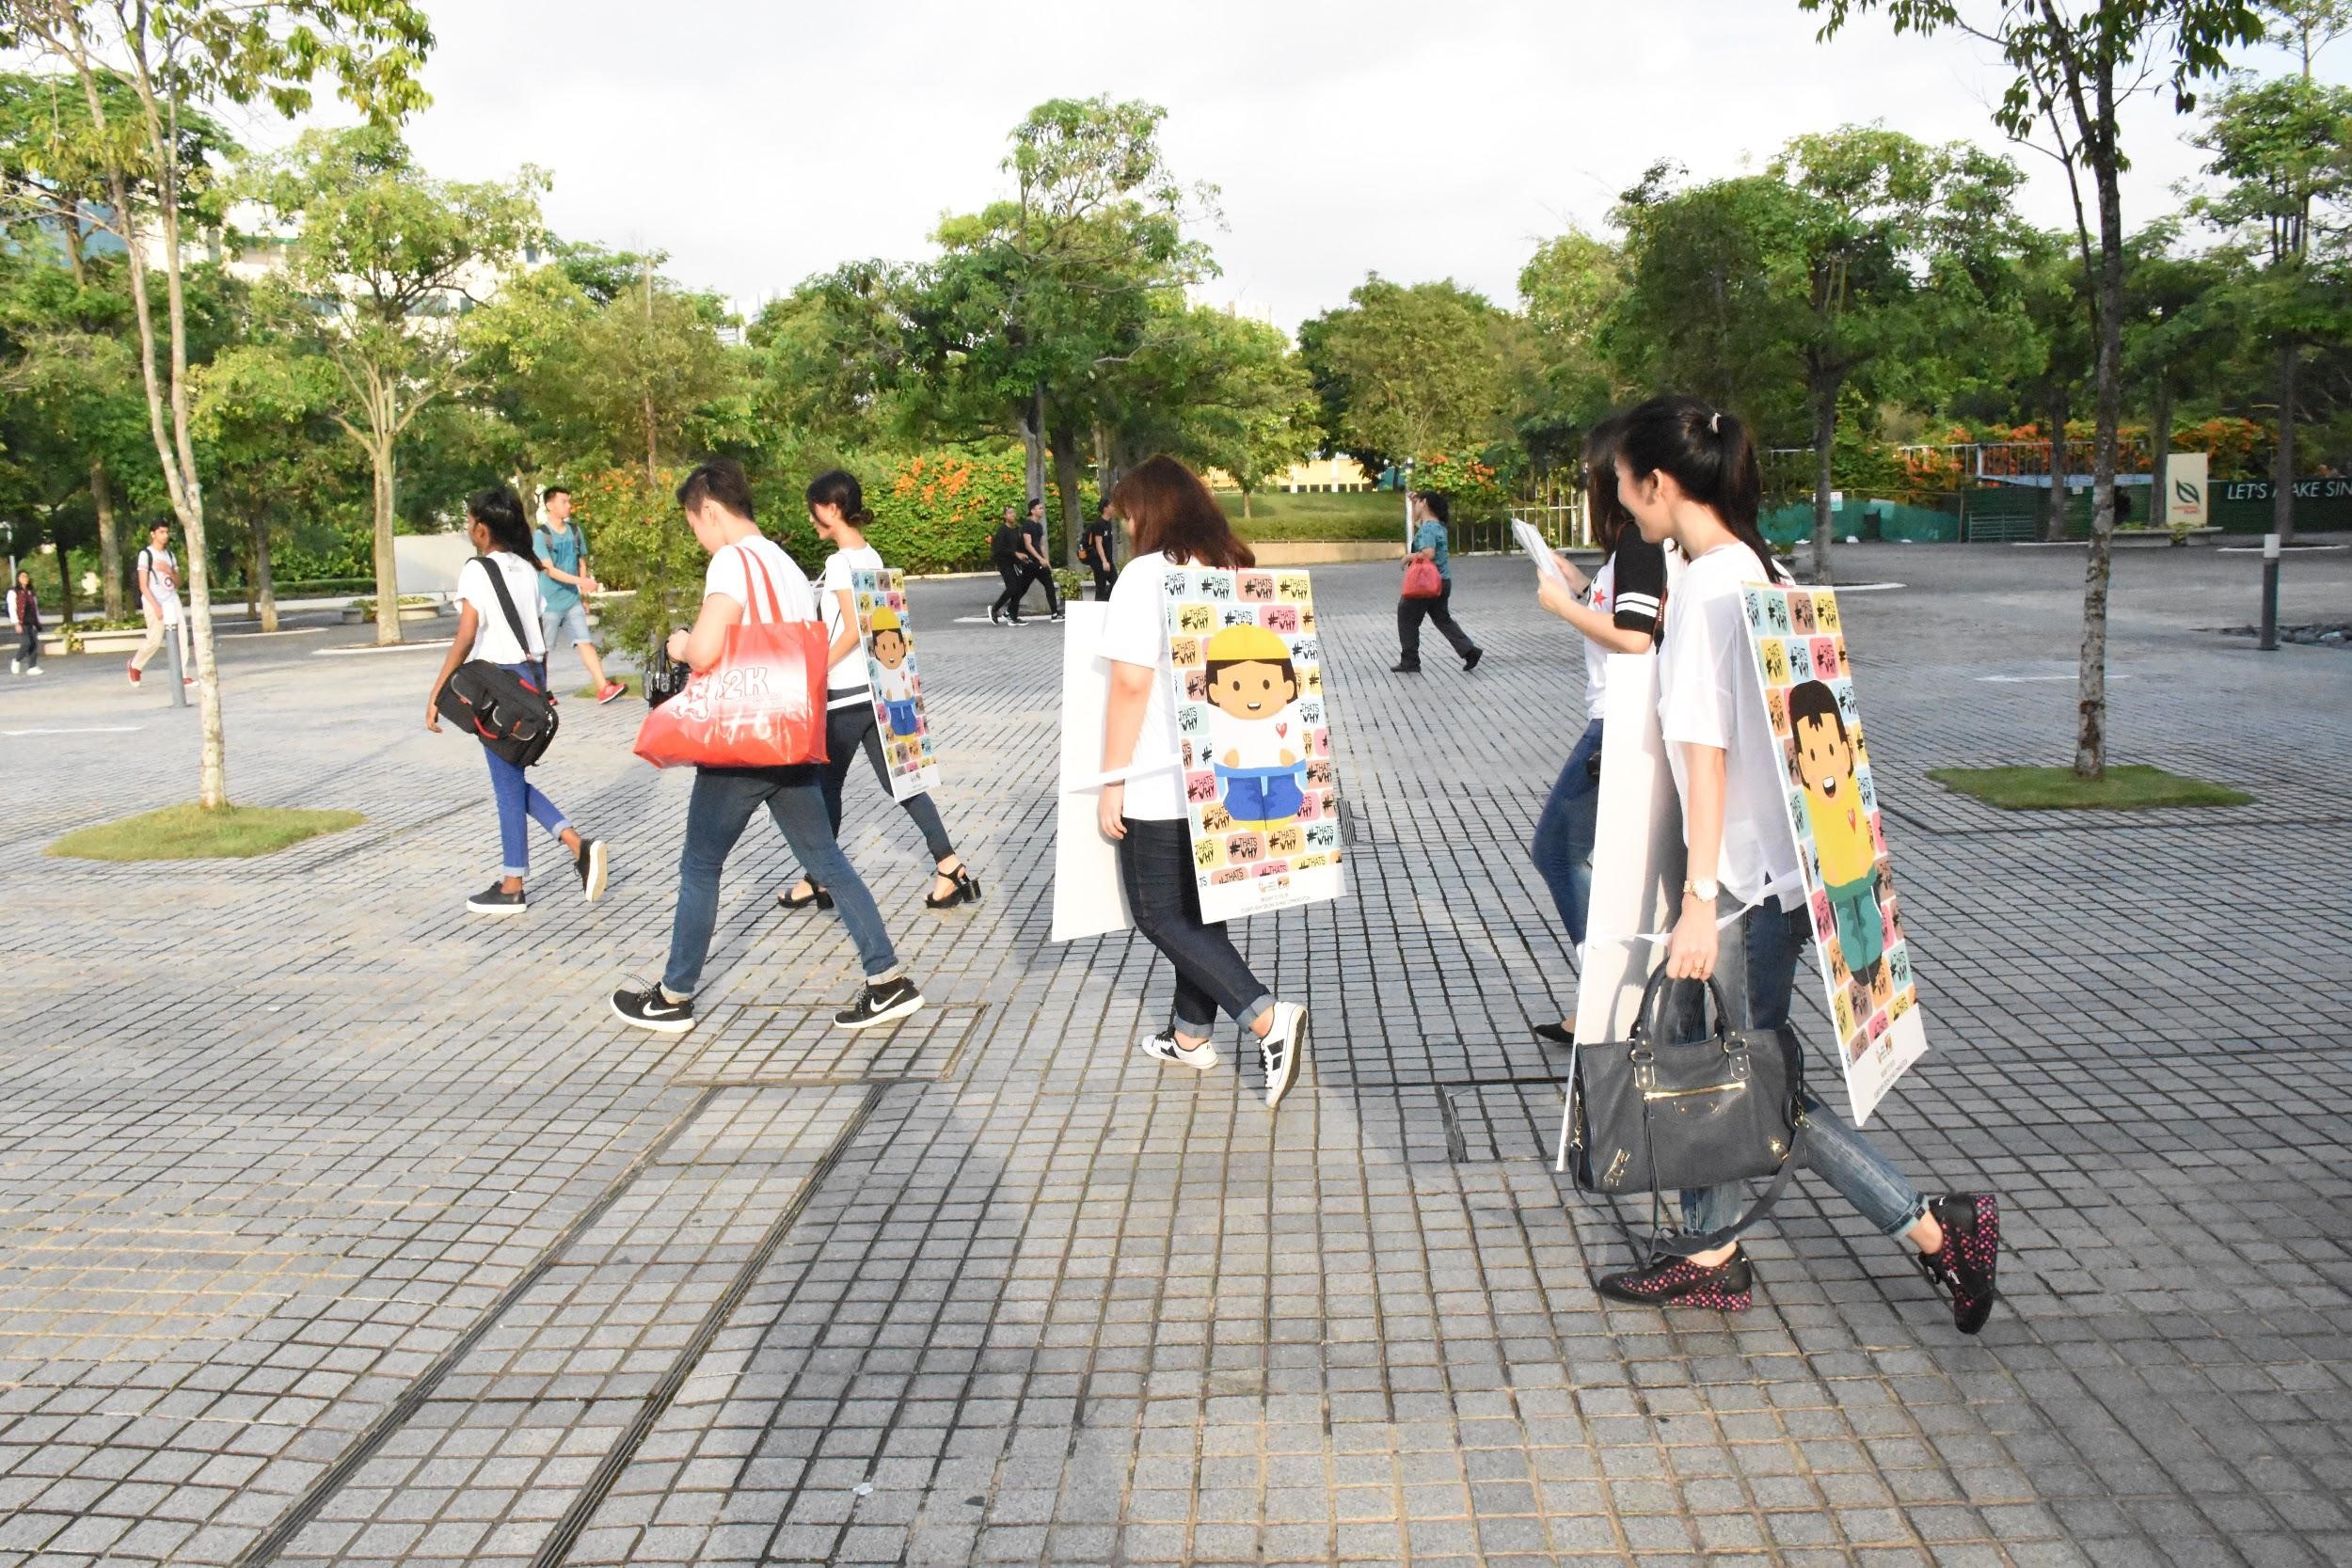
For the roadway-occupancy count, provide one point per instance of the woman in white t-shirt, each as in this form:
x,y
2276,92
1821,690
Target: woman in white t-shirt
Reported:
x,y
1688,472
1174,521
494,521
1618,614
836,507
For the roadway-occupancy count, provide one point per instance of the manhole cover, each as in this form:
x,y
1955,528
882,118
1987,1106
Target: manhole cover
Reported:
x,y
764,1043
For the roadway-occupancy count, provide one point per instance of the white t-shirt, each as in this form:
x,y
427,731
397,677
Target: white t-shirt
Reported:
x,y
730,573
493,639
1710,695
1255,742
849,673
1134,631
1634,605
159,575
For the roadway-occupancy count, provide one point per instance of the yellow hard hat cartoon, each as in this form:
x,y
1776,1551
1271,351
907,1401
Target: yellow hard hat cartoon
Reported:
x,y
1246,644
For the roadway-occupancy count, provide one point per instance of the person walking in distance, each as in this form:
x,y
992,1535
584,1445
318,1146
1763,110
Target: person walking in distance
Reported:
x,y
1007,549
1430,511
1173,521
1617,611
564,576
1100,551
750,579
24,615
1688,472
836,508
158,573
487,630
1035,565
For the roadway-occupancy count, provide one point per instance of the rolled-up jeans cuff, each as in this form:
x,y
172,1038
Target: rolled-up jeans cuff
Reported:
x,y
1247,1018
515,871
883,978
1917,1211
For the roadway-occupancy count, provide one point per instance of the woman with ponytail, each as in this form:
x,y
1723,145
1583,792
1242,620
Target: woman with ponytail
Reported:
x,y
836,506
1688,473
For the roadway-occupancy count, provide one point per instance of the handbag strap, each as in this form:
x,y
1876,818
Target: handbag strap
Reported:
x,y
752,561
513,619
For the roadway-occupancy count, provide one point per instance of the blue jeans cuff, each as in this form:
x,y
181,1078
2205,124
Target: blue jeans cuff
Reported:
x,y
1248,1015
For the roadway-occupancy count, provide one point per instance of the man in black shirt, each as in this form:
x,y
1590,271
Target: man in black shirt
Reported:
x,y
1100,552
1036,566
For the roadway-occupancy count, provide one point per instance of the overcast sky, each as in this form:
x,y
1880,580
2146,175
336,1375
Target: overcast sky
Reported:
x,y
758,142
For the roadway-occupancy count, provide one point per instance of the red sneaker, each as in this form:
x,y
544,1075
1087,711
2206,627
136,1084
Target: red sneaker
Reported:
x,y
609,690
133,670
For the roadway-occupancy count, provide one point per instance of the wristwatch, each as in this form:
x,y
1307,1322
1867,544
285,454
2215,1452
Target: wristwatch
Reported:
x,y
1706,887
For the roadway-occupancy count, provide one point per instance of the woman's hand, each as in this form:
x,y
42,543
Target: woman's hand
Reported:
x,y
676,646
1690,956
433,711
1554,596
1111,816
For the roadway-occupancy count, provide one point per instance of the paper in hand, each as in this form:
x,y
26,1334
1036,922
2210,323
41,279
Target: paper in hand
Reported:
x,y
1538,549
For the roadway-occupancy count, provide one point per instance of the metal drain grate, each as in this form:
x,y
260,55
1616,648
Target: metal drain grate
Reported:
x,y
765,1044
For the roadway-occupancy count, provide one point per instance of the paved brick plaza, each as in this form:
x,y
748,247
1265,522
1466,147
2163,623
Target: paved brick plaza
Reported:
x,y
338,1227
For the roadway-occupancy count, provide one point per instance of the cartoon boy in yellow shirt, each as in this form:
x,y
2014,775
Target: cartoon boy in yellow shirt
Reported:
x,y
1842,824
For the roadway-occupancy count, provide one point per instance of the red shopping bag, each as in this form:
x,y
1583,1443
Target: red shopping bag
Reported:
x,y
1422,580
761,705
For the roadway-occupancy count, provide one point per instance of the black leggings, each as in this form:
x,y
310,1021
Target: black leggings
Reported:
x,y
850,730
1008,602
1103,578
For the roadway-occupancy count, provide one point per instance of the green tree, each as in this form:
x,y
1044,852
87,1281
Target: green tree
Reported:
x,y
279,467
2074,62
2179,325
2283,152
1212,388
1567,292
384,258
1402,371
179,56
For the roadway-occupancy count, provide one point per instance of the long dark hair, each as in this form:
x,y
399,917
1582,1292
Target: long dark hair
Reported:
x,y
1710,456
1602,507
1172,511
839,487
500,512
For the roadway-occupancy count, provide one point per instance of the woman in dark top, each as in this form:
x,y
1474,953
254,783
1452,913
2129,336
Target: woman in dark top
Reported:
x,y
24,614
1618,611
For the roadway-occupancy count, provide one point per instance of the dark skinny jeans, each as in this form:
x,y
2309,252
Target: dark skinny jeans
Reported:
x,y
847,731
1439,612
1007,603
1155,867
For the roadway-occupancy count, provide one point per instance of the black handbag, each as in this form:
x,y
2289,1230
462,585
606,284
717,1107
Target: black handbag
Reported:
x,y
665,678
1650,1115
513,716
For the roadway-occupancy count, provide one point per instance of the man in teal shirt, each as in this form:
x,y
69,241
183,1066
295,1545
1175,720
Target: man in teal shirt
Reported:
x,y
1430,513
564,552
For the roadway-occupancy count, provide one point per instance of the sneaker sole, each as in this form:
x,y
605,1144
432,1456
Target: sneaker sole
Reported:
x,y
1200,1063
1291,1059
497,908
600,871
911,1003
614,698
659,1025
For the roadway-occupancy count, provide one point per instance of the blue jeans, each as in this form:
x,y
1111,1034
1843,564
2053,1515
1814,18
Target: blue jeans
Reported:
x,y
716,815
1562,847
1756,964
519,802
848,730
1155,867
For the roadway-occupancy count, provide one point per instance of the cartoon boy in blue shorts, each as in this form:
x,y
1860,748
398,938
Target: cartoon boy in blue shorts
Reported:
x,y
1255,741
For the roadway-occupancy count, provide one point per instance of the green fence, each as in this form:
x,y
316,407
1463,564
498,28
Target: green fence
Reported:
x,y
2010,513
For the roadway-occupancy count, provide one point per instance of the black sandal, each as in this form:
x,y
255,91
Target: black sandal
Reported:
x,y
817,896
966,891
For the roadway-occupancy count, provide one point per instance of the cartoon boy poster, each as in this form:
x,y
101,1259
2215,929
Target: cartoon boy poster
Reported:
x,y
1805,687
896,684
1259,784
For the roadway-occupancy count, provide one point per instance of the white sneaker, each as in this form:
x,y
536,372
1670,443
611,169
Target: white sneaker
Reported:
x,y
1161,1047
13,667
1282,1051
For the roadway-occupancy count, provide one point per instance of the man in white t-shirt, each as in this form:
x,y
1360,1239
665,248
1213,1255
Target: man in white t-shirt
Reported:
x,y
750,580
158,573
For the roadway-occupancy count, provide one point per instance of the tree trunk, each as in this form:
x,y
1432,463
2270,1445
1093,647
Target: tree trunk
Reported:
x,y
1244,503
1033,444
2091,735
653,453
109,547
65,571
1824,439
71,227
2160,452
387,565
259,590
1066,472
2283,458
2054,522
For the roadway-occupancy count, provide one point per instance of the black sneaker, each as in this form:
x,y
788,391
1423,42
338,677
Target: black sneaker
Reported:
x,y
495,899
1403,668
1970,1258
595,863
881,1004
648,1009
996,616
1470,660
1679,1282
1556,1034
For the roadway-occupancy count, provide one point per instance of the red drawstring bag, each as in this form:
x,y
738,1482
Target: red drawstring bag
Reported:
x,y
761,705
1422,580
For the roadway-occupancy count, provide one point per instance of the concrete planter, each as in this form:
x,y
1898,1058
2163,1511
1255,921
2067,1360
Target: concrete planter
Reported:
x,y
407,612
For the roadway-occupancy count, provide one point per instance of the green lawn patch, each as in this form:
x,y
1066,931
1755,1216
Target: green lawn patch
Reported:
x,y
1318,516
2136,787
193,834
